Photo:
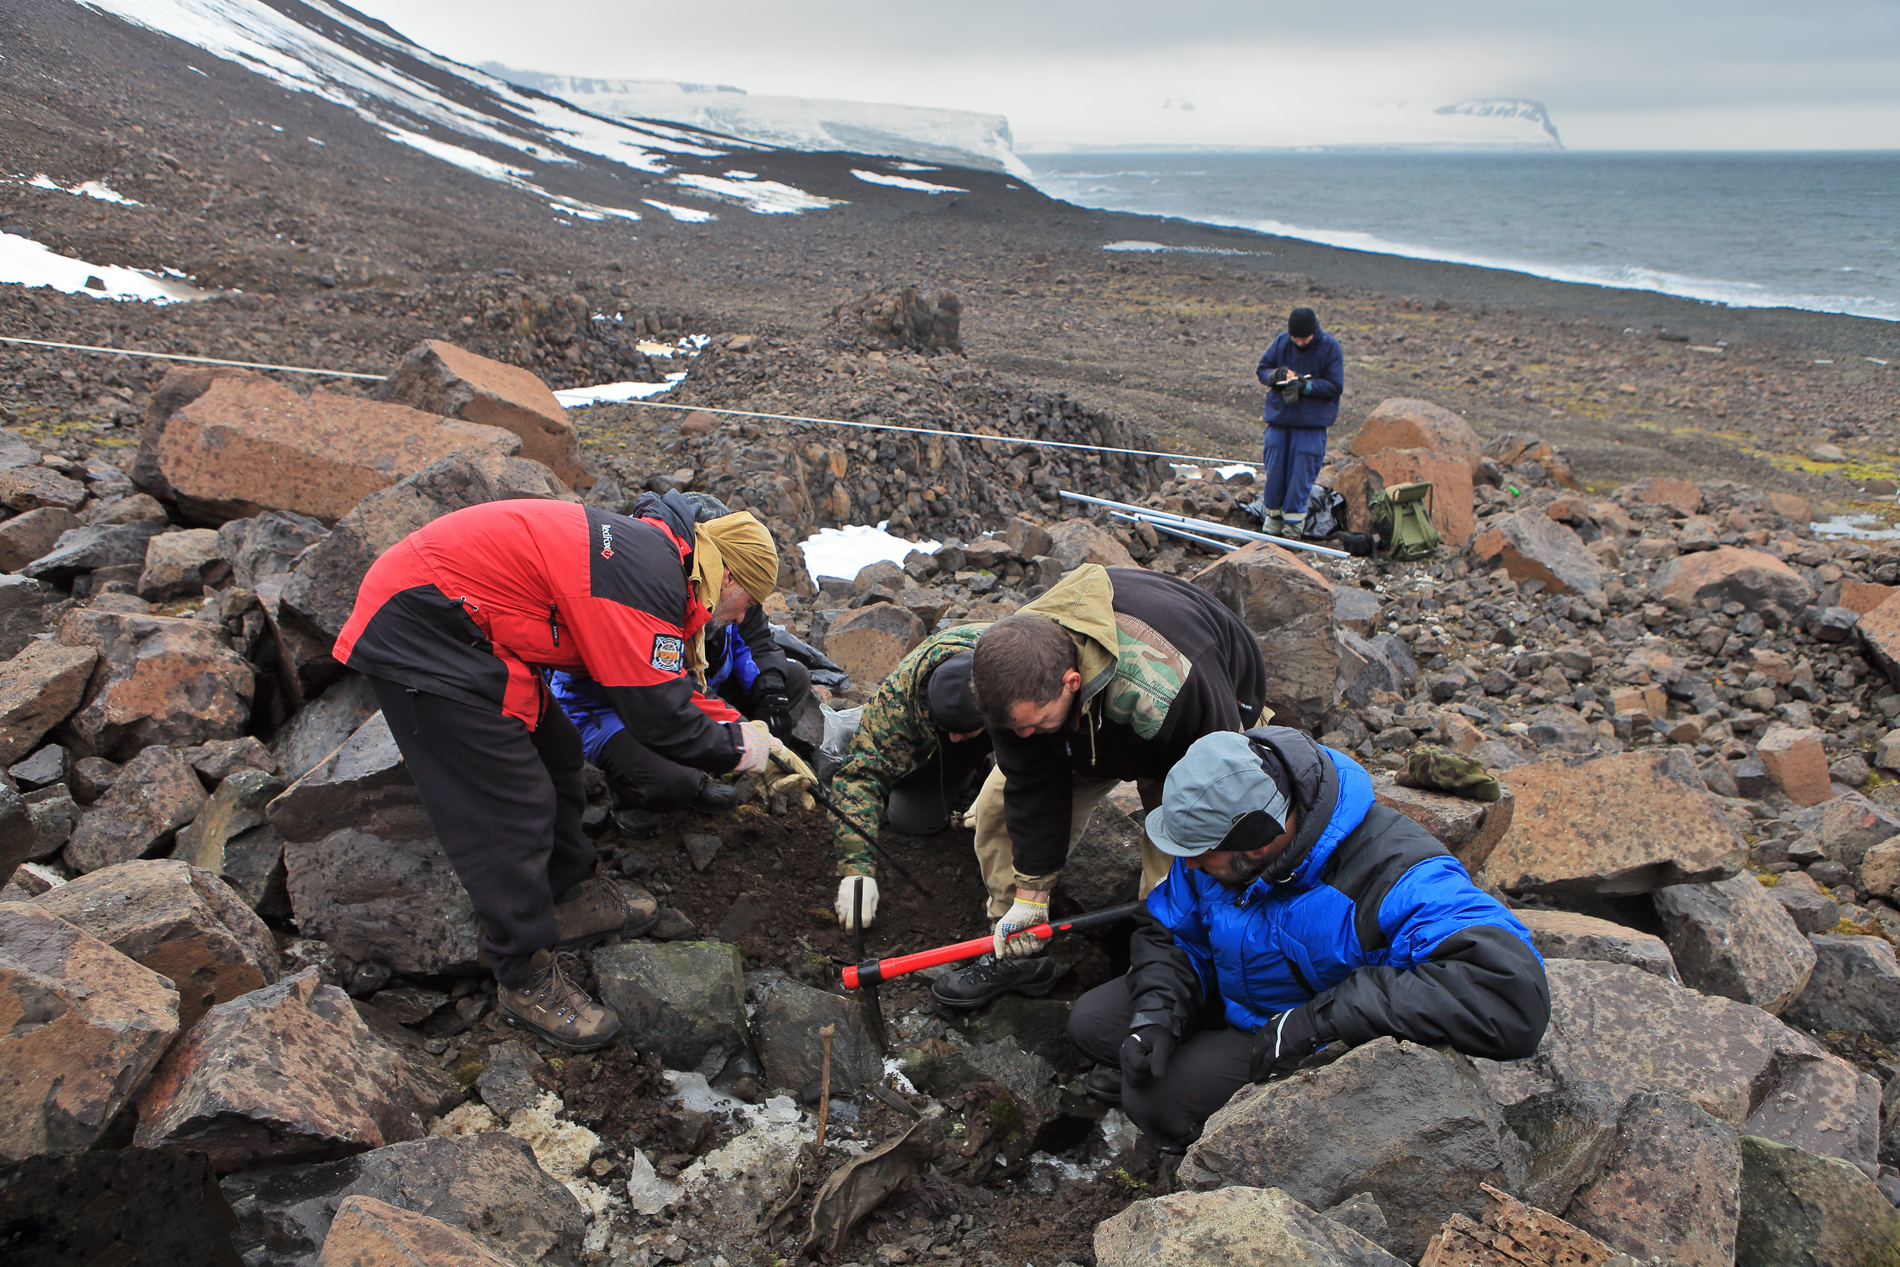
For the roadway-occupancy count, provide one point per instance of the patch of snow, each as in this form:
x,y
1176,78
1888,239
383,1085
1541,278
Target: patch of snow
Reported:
x,y
905,182
613,393
689,215
1860,527
914,167
24,262
895,1072
693,1092
1139,246
844,552
85,189
466,159
767,197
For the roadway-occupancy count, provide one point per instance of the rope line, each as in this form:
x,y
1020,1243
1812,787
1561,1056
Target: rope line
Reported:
x,y
655,404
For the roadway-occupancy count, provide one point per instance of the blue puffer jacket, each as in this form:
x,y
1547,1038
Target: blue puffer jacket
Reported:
x,y
1318,406
1365,914
728,658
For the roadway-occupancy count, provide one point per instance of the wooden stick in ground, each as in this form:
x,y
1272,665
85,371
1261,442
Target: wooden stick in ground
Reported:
x,y
824,1086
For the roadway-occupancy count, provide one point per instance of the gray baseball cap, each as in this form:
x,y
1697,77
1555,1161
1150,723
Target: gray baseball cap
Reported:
x,y
1225,794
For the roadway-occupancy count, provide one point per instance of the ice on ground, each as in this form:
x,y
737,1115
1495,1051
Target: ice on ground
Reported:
x,y
694,1093
767,197
687,215
613,393
1187,471
647,1192
905,182
1861,527
1143,247
84,189
844,552
24,262
894,1070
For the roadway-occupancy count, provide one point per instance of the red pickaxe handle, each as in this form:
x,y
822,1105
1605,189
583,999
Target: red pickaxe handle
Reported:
x,y
872,971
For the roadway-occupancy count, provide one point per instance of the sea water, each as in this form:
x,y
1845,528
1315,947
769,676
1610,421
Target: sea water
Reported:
x,y
1815,231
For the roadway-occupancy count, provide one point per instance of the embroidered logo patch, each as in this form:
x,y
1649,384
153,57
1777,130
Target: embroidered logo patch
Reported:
x,y
669,653
607,542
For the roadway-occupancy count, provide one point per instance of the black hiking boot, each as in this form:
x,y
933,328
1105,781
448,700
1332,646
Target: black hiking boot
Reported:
x,y
637,821
990,978
714,797
1104,1083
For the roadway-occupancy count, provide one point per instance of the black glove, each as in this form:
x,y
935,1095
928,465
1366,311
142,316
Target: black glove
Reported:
x,y
773,703
1283,1043
1145,1052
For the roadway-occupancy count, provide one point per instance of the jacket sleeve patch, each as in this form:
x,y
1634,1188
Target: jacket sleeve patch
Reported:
x,y
669,653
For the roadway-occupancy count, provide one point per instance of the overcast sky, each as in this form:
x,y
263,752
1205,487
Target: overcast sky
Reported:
x,y
1615,74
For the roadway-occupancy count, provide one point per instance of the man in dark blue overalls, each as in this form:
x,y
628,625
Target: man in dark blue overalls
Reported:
x,y
1304,371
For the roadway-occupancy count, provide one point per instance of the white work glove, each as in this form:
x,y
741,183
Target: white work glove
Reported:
x,y
1021,915
846,888
755,746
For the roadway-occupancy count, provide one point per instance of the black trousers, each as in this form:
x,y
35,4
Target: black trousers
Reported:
x,y
921,805
1203,1074
506,804
641,777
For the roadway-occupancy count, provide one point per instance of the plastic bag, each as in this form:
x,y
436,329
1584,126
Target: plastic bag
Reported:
x,y
840,727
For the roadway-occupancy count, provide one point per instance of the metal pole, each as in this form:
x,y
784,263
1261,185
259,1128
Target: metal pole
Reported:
x,y
1164,526
1204,525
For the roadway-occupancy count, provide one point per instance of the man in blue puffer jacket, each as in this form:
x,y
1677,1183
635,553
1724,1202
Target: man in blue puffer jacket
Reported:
x,y
1304,371
1298,912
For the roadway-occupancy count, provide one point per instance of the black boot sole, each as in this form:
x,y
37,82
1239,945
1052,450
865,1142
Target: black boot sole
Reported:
x,y
521,1023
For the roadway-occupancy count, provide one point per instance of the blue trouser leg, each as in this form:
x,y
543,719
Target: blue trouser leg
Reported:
x,y
1303,452
1275,457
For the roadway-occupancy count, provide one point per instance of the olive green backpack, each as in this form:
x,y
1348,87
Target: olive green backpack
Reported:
x,y
1402,521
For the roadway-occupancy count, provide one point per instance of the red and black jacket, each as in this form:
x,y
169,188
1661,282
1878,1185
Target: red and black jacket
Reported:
x,y
471,606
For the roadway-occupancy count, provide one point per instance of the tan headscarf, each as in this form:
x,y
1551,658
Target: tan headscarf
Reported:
x,y
738,542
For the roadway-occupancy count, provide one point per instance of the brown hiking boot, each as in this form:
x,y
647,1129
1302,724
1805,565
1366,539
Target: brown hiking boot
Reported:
x,y
556,1009
596,909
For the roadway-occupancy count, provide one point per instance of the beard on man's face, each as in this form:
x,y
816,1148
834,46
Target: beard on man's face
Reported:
x,y
1238,870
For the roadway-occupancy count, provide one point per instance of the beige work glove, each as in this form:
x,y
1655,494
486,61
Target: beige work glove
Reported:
x,y
846,888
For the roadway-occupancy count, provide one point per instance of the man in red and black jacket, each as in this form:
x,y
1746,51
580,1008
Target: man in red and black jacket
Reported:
x,y
453,625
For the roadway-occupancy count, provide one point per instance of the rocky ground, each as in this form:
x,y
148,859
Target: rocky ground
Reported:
x,y
1689,697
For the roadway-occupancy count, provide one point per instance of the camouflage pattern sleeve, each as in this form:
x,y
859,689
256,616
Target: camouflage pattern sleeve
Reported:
x,y
894,740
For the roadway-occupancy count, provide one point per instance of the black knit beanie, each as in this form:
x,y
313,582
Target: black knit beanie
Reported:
x,y
1302,324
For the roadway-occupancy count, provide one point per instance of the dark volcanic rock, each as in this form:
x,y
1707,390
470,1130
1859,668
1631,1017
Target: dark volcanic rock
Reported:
x,y
137,1205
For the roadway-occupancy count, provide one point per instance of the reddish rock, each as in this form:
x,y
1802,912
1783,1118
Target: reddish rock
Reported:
x,y
1680,496
1797,763
39,689
1879,632
288,1073
25,538
1567,935
1629,823
1514,1234
1449,477
180,565
160,680
1417,424
371,1233
247,445
868,642
37,487
81,1028
1732,574
1470,829
1671,1186
180,921
1863,596
1789,506
156,793
1289,607
1532,546
440,378
322,588
1074,542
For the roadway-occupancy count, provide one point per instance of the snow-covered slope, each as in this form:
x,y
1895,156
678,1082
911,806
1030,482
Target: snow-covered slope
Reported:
x,y
454,113
958,138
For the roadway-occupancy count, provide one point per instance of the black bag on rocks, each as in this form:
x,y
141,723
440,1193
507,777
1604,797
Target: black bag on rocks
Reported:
x,y
1325,514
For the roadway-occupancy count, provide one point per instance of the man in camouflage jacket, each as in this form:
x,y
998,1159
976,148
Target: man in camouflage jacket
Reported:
x,y
1145,664
919,744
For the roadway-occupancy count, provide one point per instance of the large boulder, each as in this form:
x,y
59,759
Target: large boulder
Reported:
x,y
440,378
323,585
249,445
486,1184
1569,1130
1846,827
1730,938
788,1023
1449,474
1470,829
266,545
181,922
283,1074
232,839
323,725
159,680
367,1231
1629,823
27,537
1074,542
685,999
157,792
1402,423
1413,1126
39,688
1289,607
363,782
1370,665
22,613
867,643
1567,935
1637,1032
1531,546
1732,575
91,547
1799,1210
1230,1225
393,899
81,1029
1855,989
136,1205
1670,1187
180,565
